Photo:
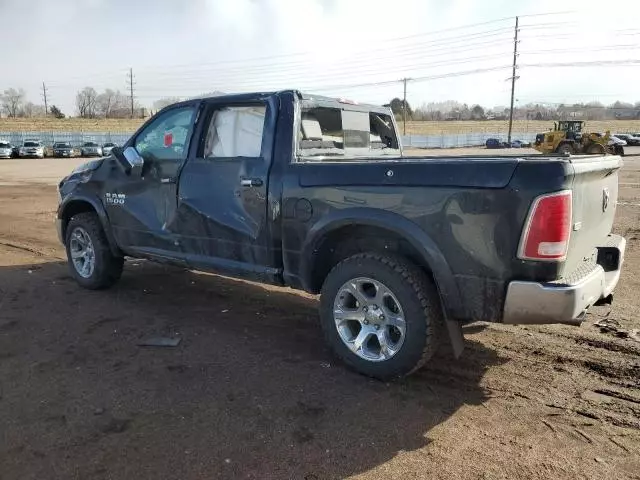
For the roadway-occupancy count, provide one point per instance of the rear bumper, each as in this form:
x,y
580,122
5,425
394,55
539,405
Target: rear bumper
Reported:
x,y
540,303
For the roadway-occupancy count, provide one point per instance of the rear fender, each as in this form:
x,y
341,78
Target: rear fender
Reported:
x,y
431,255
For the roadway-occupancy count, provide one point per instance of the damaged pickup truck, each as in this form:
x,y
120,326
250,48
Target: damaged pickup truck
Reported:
x,y
314,193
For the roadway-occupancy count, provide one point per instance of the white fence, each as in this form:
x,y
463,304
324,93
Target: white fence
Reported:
x,y
460,140
413,141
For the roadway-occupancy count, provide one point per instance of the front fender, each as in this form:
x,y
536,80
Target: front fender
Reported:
x,y
423,244
76,202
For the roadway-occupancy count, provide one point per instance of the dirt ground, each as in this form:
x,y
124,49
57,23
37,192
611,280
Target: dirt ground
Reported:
x,y
252,392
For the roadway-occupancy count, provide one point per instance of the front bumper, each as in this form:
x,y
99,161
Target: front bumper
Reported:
x,y
562,302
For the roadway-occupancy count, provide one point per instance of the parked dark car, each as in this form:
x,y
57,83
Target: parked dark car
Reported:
x,y
630,139
62,149
293,189
494,143
90,149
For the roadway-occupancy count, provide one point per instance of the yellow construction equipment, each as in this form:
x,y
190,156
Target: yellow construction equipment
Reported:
x,y
567,137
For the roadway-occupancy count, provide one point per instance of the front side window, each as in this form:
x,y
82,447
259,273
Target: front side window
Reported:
x,y
167,137
235,132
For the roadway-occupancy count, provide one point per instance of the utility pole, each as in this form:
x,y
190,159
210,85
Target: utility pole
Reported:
x,y
131,89
44,95
404,107
513,80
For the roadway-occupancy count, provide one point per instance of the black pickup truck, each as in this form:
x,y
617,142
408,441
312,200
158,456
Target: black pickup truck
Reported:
x,y
314,193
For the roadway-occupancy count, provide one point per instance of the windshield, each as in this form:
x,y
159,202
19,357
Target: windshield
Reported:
x,y
90,144
31,144
109,144
62,145
338,132
5,145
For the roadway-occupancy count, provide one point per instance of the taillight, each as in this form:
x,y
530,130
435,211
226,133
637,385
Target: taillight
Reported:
x,y
546,233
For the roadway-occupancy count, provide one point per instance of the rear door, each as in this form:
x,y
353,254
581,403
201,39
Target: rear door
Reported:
x,y
222,205
140,208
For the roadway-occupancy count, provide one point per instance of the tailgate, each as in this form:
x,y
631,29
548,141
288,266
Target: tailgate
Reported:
x,y
595,193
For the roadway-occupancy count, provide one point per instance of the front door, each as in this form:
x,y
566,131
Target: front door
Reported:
x,y
222,207
140,208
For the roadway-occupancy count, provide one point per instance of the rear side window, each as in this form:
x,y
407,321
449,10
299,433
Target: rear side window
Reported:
x,y
334,132
235,131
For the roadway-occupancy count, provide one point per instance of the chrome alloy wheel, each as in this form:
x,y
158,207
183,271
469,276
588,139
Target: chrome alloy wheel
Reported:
x,y
369,319
82,252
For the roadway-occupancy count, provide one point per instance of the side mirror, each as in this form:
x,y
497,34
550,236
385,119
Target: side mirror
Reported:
x,y
129,160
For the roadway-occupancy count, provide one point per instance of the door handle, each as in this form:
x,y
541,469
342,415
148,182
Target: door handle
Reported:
x,y
168,180
251,182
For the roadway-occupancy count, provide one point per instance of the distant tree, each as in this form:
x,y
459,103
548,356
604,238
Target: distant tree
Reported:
x,y
55,111
538,116
619,104
30,110
396,106
12,101
165,102
477,113
105,103
86,102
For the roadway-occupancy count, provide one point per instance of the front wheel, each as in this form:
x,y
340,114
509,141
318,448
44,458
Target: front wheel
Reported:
x,y
596,149
90,259
381,315
565,148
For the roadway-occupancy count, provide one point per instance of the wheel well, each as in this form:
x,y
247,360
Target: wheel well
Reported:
x,y
74,208
349,240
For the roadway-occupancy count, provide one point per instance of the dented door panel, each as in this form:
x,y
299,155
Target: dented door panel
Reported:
x,y
222,201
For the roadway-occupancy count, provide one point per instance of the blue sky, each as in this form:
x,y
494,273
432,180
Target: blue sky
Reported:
x,y
183,48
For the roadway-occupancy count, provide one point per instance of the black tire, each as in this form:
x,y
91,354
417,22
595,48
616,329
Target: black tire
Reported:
x,y
107,267
596,149
564,148
419,301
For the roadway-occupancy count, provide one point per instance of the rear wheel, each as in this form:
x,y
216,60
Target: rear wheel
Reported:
x,y
90,259
381,315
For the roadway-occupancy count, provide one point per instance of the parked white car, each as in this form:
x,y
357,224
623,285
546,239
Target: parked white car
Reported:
x,y
31,148
90,149
6,150
107,147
